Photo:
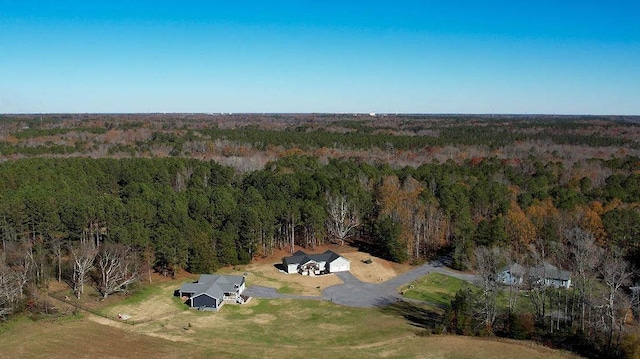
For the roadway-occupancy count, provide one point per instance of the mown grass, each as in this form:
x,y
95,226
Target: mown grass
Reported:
x,y
259,329
13,323
440,289
308,323
141,294
285,289
434,288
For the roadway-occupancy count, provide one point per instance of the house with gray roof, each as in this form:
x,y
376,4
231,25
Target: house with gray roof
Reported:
x,y
211,291
545,274
315,264
551,276
512,274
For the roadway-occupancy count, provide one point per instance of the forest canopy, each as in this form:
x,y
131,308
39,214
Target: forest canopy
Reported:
x,y
104,199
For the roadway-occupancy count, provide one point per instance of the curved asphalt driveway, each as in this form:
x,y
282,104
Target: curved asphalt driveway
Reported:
x,y
355,293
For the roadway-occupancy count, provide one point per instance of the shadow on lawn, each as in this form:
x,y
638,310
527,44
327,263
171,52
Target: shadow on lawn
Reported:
x,y
417,315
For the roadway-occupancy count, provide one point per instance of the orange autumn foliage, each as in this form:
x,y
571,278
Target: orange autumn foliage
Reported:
x,y
518,227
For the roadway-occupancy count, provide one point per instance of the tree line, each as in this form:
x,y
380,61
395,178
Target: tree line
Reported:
x,y
172,213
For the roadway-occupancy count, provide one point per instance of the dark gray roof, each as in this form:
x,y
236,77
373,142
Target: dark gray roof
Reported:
x,y
549,271
301,257
515,269
296,258
213,285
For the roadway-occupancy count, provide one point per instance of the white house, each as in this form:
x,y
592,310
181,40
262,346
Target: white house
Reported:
x,y
315,264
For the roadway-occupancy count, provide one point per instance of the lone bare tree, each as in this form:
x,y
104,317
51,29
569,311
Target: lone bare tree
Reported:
x,y
585,257
616,272
343,217
119,266
82,257
488,264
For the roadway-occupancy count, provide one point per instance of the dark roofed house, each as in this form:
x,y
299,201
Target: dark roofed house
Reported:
x,y
314,264
211,291
512,274
551,276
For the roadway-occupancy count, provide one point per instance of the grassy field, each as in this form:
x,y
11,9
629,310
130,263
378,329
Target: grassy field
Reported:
x,y
435,288
164,327
441,289
259,329
256,338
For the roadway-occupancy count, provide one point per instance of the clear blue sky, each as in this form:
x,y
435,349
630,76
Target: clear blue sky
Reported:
x,y
563,57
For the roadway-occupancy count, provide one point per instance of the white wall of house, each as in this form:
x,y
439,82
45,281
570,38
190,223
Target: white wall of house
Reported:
x,y
558,283
322,266
339,264
292,268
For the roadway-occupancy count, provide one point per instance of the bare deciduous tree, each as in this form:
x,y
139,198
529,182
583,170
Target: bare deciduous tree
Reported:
x,y
343,217
515,280
538,294
488,264
119,266
585,256
10,289
616,272
82,257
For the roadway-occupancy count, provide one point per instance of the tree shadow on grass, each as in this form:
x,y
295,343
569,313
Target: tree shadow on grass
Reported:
x,y
418,315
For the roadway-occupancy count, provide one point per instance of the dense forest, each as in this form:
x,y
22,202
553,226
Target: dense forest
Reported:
x,y
83,197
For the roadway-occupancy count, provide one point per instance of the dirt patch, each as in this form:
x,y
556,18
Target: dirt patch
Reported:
x,y
157,306
266,274
263,271
378,270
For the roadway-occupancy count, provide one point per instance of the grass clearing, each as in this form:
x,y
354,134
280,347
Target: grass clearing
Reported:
x,y
441,289
149,303
307,328
434,288
259,329
165,327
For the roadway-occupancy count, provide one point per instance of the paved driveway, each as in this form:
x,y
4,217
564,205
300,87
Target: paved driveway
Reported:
x,y
355,293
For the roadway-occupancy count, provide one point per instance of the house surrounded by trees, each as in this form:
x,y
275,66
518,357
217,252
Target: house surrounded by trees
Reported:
x,y
545,274
551,276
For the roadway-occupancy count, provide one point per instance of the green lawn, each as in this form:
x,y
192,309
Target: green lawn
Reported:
x,y
434,288
441,289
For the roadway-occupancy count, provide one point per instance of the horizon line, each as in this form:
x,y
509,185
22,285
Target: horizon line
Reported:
x,y
368,114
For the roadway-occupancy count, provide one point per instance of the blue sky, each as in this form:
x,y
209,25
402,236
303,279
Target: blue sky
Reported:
x,y
556,57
